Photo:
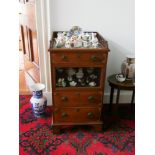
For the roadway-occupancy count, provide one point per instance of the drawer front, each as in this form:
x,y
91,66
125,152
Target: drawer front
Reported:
x,y
92,58
91,98
74,99
76,115
66,99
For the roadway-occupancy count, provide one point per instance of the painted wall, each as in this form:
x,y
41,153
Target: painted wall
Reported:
x,y
113,19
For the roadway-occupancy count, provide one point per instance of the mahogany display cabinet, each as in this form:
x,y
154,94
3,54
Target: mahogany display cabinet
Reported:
x,y
78,79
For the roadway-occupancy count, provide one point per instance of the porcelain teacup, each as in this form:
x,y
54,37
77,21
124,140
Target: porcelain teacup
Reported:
x,y
120,77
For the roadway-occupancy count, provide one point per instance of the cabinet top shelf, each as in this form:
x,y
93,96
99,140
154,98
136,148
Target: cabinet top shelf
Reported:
x,y
102,44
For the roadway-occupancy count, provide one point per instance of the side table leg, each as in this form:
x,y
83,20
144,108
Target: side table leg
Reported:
x,y
111,98
117,99
133,96
132,100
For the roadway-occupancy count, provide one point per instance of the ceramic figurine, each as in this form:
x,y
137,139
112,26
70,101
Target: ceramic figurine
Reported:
x,y
71,72
87,80
93,76
73,83
90,70
38,101
69,78
60,43
94,40
78,43
75,30
82,82
68,44
80,73
61,82
92,84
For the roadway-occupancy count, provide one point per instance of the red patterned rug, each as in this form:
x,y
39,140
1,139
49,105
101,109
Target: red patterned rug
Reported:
x,y
36,136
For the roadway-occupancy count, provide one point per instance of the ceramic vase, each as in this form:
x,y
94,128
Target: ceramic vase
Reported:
x,y
38,101
128,67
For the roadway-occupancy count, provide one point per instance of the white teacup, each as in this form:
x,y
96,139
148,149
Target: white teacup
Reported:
x,y
120,77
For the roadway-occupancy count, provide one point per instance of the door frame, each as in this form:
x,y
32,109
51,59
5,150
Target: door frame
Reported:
x,y
44,31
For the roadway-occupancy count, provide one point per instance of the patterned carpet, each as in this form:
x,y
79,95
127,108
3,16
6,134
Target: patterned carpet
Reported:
x,y
36,136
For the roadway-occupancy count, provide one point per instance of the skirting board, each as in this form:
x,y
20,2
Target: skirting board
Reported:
x,y
125,97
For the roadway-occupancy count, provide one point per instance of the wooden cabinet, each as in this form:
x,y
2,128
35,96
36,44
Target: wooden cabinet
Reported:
x,y
79,104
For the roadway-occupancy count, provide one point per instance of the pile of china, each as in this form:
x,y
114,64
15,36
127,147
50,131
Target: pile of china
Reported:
x,y
76,38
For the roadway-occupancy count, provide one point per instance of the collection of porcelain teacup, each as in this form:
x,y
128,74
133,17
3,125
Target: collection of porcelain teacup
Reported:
x,y
71,74
76,38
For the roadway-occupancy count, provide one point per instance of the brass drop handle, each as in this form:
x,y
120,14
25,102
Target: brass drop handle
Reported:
x,y
64,57
90,115
64,114
94,58
64,98
91,98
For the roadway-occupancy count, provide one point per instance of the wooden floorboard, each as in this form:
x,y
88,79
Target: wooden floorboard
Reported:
x,y
27,70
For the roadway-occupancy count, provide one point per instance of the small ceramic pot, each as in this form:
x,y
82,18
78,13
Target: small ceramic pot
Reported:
x,y
120,78
38,101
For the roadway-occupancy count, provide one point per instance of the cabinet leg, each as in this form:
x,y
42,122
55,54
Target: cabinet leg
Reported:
x,y
133,96
132,101
98,127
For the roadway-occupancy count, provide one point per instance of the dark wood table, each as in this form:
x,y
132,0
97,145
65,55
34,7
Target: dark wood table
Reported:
x,y
126,85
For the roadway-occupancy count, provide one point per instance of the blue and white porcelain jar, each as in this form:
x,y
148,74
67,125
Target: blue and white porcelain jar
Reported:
x,y
38,101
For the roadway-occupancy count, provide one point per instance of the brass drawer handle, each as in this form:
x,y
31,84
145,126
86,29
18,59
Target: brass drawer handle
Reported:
x,y
64,98
91,98
94,58
64,114
90,115
64,58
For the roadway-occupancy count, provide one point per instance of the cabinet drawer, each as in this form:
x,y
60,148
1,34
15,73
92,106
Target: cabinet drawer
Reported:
x,y
76,114
73,99
92,58
65,99
91,98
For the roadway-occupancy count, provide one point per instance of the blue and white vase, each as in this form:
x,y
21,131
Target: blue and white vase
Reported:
x,y
38,101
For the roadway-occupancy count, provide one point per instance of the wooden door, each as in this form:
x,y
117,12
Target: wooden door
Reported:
x,y
29,38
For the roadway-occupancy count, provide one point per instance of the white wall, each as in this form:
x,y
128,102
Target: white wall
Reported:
x,y
114,19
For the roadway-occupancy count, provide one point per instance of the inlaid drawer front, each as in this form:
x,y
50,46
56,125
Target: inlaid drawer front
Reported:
x,y
93,58
76,114
73,99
